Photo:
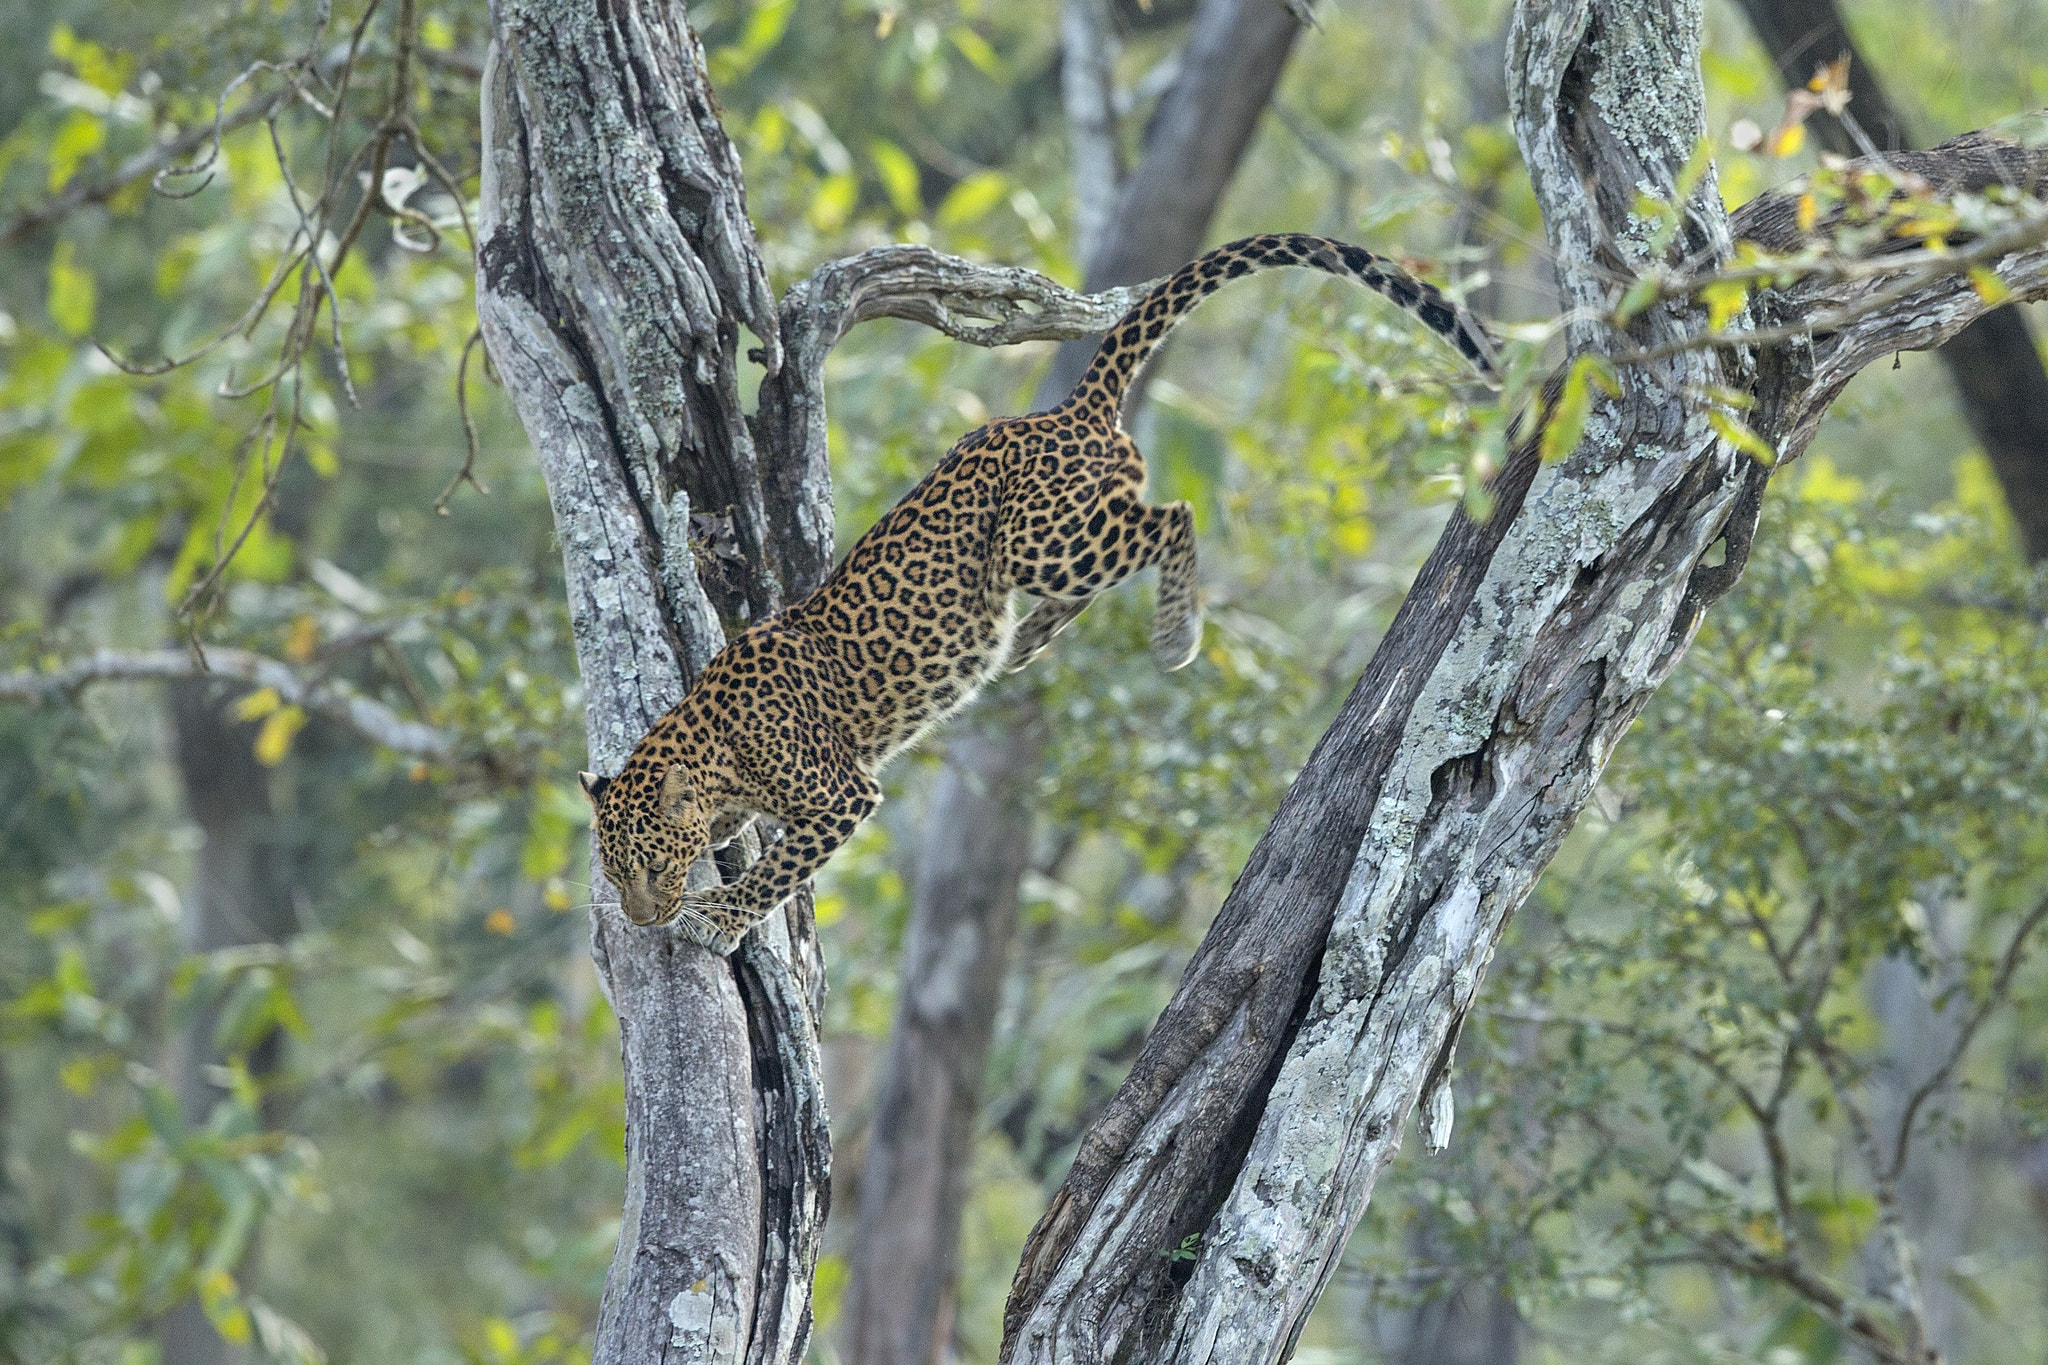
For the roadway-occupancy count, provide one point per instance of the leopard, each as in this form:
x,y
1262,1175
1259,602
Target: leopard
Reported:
x,y
795,718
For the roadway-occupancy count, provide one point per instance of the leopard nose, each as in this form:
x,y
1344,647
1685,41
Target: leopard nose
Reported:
x,y
640,907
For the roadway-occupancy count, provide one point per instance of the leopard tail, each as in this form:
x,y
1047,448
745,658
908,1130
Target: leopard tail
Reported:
x,y
1131,342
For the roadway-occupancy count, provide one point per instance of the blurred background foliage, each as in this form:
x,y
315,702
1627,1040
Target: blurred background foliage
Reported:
x,y
302,1049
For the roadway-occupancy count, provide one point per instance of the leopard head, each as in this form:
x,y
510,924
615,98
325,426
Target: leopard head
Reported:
x,y
651,826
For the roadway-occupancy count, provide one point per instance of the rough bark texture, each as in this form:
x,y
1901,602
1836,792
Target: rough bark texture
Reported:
x,y
1994,364
899,1309
1281,1076
898,1305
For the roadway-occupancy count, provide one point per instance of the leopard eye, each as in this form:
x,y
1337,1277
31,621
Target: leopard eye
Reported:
x,y
657,866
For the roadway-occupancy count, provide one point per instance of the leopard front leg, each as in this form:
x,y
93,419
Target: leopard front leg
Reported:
x,y
718,917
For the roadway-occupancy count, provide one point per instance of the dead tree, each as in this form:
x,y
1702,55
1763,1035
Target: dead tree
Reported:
x,y
617,277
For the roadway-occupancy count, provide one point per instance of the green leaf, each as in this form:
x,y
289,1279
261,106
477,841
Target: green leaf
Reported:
x,y
976,49
1640,295
832,203
898,174
1567,421
72,292
79,136
972,198
765,27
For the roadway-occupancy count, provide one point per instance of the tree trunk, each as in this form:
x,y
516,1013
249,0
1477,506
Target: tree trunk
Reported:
x,y
898,1304
616,267
1994,364
241,894
899,1309
1208,1207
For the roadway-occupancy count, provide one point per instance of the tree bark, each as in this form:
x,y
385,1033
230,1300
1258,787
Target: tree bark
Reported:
x,y
899,1308
898,1303
1208,1207
2000,381
241,893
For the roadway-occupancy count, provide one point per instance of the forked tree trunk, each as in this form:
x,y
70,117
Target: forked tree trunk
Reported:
x,y
616,271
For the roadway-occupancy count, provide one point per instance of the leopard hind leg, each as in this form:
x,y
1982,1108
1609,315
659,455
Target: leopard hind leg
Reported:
x,y
1177,619
1047,618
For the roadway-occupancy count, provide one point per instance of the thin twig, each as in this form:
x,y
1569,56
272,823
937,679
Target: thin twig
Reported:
x,y
466,474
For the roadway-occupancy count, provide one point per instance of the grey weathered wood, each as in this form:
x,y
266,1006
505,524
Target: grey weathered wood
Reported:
x,y
616,267
1323,1007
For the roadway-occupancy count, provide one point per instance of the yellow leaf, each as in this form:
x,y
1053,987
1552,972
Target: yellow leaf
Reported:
x,y
437,33
972,197
1724,299
1808,212
1787,140
274,740
302,641
258,704
500,1340
1989,287
832,203
555,896
500,921
223,1305
77,1075
1735,432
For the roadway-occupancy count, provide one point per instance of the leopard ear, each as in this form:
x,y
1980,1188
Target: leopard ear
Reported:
x,y
593,787
677,790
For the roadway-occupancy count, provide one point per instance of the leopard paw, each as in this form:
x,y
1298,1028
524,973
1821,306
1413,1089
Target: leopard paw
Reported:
x,y
710,923
1176,642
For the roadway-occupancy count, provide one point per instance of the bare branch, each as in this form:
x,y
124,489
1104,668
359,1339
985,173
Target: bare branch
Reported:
x,y
944,292
83,190
324,696
1994,996
1727,1250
